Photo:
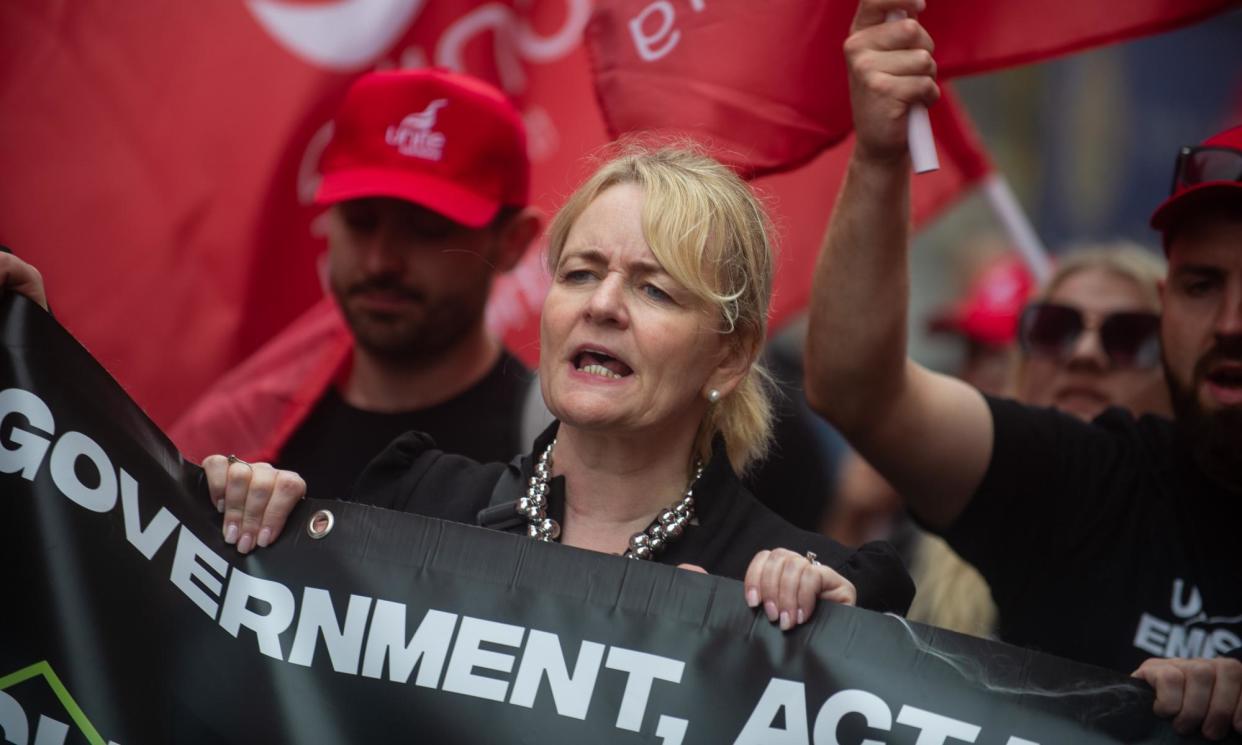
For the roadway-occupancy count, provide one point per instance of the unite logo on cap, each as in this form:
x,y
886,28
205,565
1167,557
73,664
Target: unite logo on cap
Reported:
x,y
415,137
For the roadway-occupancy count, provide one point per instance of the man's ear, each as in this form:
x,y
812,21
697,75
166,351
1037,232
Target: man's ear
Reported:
x,y
739,354
516,235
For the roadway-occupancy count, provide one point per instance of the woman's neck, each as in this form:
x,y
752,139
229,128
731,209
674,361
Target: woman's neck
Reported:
x,y
616,485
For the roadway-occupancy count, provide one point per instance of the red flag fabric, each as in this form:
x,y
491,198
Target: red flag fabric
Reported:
x,y
159,164
803,199
767,80
159,161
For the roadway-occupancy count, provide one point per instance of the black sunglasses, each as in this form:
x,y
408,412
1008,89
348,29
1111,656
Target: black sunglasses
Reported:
x,y
1130,339
1204,164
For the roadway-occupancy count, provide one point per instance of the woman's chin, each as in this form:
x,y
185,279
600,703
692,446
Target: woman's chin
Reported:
x,y
590,419
593,413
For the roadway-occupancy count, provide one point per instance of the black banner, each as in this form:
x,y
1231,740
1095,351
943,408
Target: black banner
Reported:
x,y
126,618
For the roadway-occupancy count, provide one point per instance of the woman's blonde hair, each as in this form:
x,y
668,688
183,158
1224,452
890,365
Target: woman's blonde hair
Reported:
x,y
1125,259
711,235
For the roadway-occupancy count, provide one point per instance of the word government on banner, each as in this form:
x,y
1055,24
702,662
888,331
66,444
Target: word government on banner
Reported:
x,y
397,622
445,648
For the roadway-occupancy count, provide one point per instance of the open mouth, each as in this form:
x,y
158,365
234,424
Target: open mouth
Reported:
x,y
1226,376
1224,383
594,362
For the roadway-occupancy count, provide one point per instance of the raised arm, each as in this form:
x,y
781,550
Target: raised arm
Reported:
x,y
930,435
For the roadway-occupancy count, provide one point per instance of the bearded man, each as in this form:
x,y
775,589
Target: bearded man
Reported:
x,y
426,181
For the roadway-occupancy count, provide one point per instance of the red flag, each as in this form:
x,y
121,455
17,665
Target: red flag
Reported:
x,y
767,80
159,162
158,165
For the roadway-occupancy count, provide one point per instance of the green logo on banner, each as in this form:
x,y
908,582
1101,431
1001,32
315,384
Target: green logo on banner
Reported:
x,y
13,719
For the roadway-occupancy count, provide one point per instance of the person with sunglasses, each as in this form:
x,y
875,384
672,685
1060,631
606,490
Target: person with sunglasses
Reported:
x,y
1114,541
1090,340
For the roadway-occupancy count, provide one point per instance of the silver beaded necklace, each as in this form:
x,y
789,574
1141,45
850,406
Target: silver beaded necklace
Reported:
x,y
667,527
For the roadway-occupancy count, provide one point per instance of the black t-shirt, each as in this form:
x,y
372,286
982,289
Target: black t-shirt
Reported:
x,y
336,441
413,476
1103,542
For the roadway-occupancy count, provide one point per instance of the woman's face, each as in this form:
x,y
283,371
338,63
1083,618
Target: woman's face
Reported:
x,y
1085,383
624,348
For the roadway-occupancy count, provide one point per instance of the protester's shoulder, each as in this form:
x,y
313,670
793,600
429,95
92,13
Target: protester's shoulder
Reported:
x,y
242,409
1152,432
1147,438
1147,427
413,475
1019,421
317,338
1059,460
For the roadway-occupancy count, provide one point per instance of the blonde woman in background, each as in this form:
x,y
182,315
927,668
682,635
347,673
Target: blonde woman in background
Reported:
x,y
1091,338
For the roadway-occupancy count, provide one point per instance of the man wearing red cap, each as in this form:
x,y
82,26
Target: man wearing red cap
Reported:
x,y
1114,541
986,319
426,181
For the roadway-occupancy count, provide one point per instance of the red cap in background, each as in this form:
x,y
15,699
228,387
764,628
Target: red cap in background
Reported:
x,y
448,142
989,311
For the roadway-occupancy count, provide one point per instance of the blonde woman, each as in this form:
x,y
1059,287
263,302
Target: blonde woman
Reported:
x,y
662,272
1091,339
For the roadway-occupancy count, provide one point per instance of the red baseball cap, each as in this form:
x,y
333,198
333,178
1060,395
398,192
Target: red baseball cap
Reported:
x,y
451,143
993,303
1200,177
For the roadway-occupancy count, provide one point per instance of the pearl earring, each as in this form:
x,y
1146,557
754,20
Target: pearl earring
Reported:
x,y
713,396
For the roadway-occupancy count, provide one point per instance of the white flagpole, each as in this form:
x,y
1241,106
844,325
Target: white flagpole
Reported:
x,y
923,154
1018,227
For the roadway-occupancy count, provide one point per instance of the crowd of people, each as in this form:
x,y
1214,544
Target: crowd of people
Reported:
x,y
1085,469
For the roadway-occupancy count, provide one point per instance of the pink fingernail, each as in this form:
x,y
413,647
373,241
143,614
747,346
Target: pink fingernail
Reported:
x,y
801,617
230,533
752,598
265,537
785,625
220,506
770,608
247,543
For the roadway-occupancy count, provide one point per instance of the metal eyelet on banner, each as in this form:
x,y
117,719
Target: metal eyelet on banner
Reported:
x,y
320,524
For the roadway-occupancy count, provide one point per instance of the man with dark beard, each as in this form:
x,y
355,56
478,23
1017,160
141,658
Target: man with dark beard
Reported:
x,y
426,180
1114,542
1202,226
